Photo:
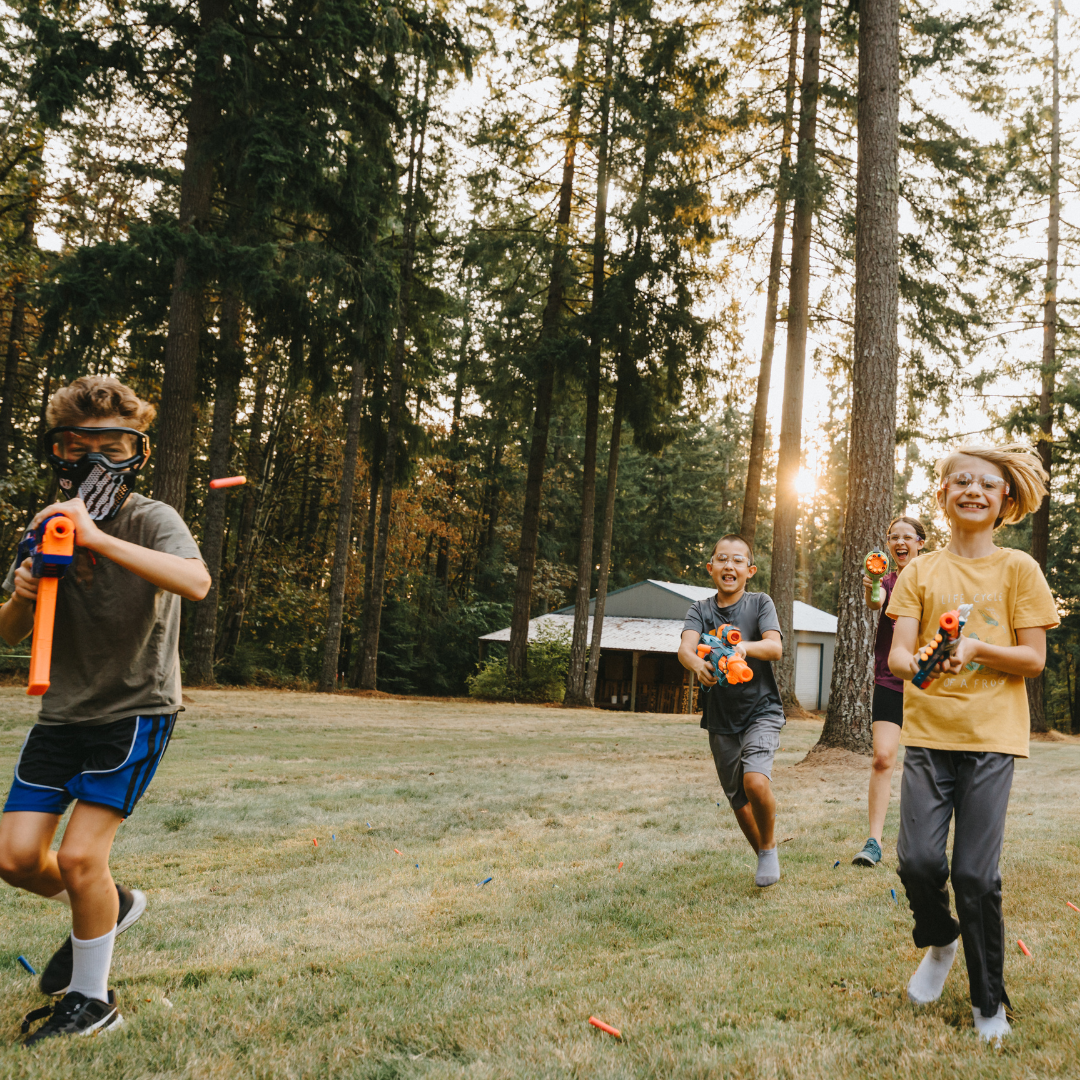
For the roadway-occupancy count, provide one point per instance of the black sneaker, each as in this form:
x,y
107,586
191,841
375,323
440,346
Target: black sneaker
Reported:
x,y
56,977
73,1014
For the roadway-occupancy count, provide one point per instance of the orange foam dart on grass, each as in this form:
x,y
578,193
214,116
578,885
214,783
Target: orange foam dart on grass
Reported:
x,y
396,852
605,1027
1023,948
619,867
314,841
1072,905
228,481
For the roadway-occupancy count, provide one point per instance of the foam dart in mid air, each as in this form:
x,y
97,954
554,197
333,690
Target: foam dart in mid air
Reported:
x,y
50,547
876,565
228,481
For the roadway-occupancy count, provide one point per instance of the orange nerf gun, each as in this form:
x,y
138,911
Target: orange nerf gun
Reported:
x,y
719,649
51,547
876,565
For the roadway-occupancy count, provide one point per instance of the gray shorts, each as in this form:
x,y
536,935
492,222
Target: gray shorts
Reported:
x,y
751,750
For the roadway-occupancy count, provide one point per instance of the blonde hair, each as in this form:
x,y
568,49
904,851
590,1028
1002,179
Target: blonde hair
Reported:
x,y
98,397
1023,471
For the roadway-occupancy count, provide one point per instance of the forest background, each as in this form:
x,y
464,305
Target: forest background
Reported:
x,y
483,299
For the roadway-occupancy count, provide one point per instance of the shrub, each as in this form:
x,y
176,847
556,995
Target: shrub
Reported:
x,y
545,678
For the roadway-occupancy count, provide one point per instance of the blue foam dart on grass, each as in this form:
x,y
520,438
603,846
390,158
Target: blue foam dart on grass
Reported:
x,y
333,836
893,892
480,884
836,864
26,964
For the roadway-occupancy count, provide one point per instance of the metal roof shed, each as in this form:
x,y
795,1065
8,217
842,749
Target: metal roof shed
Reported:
x,y
642,627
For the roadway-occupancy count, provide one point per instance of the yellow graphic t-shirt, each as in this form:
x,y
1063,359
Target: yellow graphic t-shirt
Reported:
x,y
979,709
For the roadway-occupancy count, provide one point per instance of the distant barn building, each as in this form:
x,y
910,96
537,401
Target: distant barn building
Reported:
x,y
639,666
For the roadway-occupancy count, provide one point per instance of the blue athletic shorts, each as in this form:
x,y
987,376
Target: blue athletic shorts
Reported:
x,y
111,764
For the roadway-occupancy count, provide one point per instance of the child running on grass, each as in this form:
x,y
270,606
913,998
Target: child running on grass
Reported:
x,y
905,538
115,688
743,720
965,730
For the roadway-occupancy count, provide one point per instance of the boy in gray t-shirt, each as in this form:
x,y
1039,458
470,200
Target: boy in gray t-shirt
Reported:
x,y
743,719
113,693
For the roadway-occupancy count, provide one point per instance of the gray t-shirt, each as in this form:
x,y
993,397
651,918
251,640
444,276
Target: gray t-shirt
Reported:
x,y
730,709
116,643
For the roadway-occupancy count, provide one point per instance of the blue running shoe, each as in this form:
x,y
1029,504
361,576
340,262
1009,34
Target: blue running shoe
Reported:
x,y
870,854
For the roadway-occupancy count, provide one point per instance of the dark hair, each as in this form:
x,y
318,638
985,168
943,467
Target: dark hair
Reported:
x,y
741,539
98,397
915,523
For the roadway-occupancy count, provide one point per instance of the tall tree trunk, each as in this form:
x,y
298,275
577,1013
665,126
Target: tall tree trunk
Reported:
x,y
234,612
16,347
873,392
1040,525
204,633
605,539
368,550
785,519
442,559
173,449
755,467
373,612
518,653
577,675
343,539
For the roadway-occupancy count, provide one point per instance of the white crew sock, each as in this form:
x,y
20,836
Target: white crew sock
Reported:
x,y
929,980
91,961
991,1028
61,897
768,868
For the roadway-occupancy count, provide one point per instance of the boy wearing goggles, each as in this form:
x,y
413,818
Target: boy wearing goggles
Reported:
x,y
114,693
964,731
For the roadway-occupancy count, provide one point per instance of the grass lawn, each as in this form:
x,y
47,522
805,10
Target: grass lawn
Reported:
x,y
283,959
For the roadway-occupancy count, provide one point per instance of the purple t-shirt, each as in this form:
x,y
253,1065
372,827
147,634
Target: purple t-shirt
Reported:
x,y
883,642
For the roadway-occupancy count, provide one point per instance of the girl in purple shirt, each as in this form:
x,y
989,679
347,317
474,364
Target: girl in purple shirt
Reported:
x,y
906,537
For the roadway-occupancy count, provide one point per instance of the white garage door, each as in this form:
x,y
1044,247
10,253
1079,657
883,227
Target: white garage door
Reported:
x,y
808,675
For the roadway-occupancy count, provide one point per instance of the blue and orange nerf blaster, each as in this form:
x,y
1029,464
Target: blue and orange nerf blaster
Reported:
x,y
51,547
876,565
718,648
942,645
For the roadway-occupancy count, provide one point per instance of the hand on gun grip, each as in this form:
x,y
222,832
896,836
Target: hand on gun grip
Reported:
x,y
719,651
50,547
941,646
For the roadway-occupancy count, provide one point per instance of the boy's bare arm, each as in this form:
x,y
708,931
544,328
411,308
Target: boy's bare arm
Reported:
x,y
185,577
16,617
690,660
770,647
1027,657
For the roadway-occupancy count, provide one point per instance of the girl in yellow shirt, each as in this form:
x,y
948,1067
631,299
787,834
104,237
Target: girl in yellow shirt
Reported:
x,y
965,728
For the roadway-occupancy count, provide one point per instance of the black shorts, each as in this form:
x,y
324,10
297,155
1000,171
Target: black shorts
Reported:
x,y
888,706
110,764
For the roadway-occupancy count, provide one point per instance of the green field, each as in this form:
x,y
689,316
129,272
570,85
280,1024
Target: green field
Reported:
x,y
282,959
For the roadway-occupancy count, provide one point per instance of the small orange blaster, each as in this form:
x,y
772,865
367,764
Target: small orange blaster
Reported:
x,y
876,565
941,645
719,649
51,547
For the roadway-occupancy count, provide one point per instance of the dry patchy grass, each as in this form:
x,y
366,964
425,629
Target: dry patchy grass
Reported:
x,y
348,960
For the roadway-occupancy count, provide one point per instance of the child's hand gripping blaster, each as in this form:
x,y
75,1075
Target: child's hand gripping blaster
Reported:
x,y
51,546
727,664
943,644
876,565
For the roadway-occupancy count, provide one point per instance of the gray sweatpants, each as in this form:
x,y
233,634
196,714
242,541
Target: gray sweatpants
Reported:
x,y
975,787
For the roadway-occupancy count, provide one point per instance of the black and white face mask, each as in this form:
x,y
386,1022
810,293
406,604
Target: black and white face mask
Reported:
x,y
102,482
